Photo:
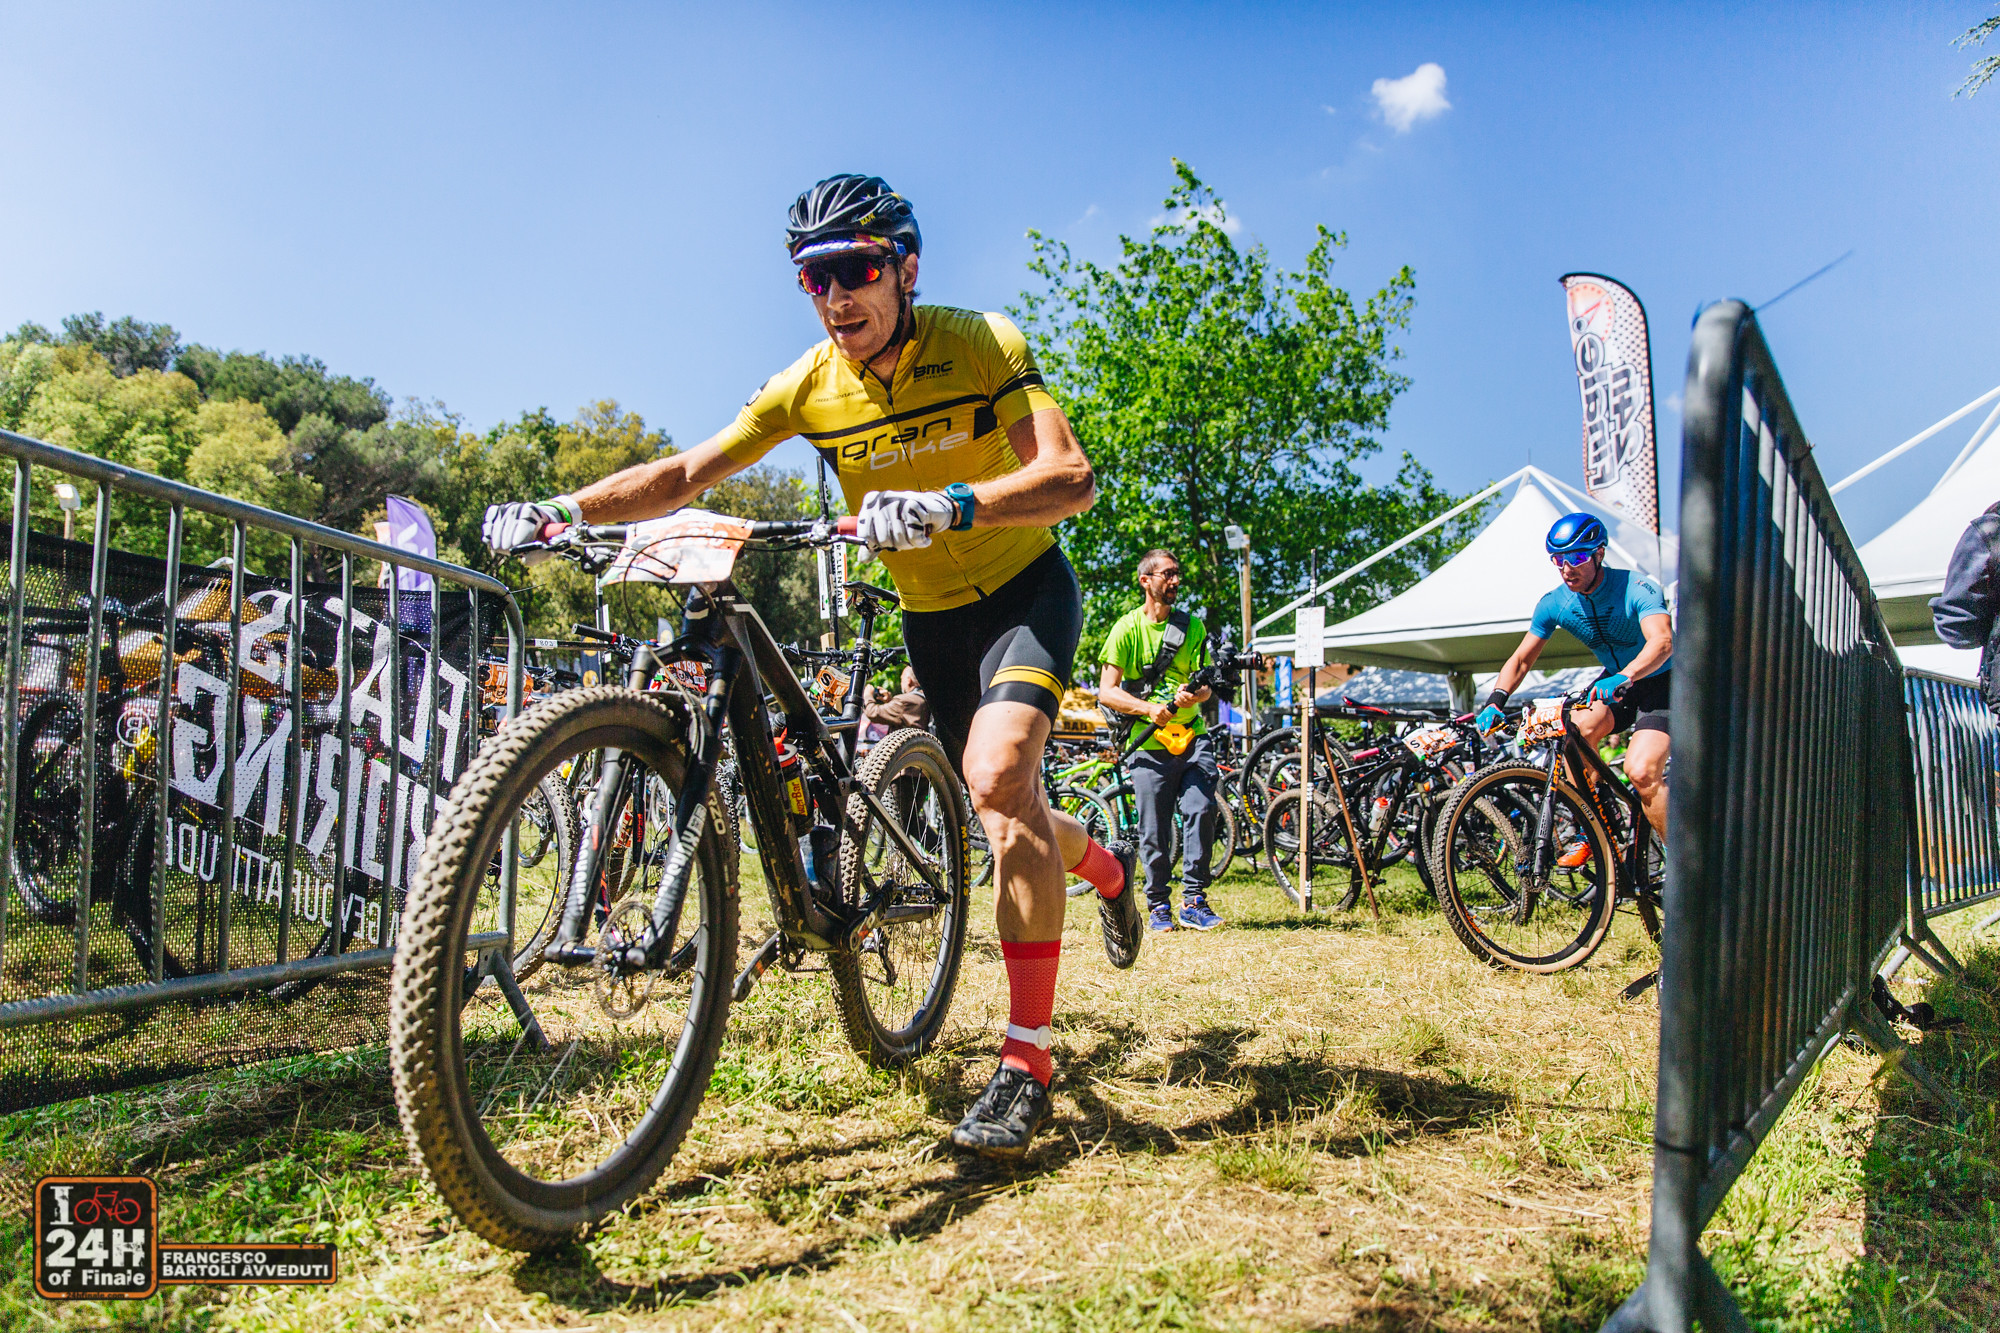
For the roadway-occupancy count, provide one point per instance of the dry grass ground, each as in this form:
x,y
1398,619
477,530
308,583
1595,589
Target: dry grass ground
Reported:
x,y
1290,1123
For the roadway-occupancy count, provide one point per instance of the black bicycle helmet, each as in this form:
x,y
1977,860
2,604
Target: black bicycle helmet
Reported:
x,y
850,212
1575,534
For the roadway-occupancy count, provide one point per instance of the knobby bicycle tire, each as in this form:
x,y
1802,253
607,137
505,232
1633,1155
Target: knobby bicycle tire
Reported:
x,y
458,1081
1483,848
909,774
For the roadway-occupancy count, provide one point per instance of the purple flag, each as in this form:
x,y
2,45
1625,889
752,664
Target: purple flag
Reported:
x,y
410,530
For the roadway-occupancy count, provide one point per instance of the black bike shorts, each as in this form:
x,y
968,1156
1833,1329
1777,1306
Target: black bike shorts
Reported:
x,y
1016,644
1644,707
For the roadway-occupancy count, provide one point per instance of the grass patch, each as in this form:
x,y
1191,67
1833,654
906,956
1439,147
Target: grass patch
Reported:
x,y
1300,1121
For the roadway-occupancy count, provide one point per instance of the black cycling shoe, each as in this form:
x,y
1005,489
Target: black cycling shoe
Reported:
x,y
1124,917
1006,1115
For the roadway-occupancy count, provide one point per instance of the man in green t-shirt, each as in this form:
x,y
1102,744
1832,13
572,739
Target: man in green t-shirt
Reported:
x,y
1175,768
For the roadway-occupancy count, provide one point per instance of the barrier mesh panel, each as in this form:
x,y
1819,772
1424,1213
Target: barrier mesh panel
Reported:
x,y
353,817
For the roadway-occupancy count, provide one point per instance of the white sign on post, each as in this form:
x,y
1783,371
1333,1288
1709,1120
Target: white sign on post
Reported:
x,y
832,582
1310,649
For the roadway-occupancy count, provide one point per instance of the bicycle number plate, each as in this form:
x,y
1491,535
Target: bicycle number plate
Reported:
x,y
1430,742
1543,722
691,546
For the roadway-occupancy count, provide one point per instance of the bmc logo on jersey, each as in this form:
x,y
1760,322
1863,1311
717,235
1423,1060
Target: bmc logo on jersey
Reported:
x,y
886,448
932,370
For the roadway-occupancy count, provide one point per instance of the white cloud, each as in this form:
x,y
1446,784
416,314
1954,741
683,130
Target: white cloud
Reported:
x,y
1414,97
1230,223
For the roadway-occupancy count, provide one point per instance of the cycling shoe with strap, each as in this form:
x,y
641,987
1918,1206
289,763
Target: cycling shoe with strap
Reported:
x,y
1006,1115
1123,917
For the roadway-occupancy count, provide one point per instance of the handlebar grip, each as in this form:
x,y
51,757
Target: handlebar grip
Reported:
x,y
550,531
848,526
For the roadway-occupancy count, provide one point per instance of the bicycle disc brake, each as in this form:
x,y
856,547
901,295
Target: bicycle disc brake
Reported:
x,y
624,996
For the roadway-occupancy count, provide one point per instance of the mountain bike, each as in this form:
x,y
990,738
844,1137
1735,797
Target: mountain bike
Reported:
x,y
1533,857
539,1118
1386,801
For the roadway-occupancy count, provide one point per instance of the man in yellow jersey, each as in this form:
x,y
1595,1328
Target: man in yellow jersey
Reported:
x,y
956,462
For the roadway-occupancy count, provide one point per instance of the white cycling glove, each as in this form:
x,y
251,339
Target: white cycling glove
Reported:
x,y
510,525
903,520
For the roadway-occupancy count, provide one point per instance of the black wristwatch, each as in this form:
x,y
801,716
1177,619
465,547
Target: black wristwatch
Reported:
x,y
963,499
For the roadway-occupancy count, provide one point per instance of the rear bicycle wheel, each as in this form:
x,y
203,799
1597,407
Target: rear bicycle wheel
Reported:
x,y
1483,858
531,1143
1330,849
894,991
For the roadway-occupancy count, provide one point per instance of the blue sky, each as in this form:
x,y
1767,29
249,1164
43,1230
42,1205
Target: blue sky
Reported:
x,y
505,207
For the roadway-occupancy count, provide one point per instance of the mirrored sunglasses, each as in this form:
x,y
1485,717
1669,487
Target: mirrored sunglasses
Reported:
x,y
850,271
1572,559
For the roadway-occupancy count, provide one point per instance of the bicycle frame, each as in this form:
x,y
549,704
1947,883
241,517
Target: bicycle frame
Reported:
x,y
1590,776
745,666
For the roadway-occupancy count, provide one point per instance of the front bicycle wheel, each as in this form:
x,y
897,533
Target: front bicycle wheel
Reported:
x,y
1490,835
532,1141
548,854
895,990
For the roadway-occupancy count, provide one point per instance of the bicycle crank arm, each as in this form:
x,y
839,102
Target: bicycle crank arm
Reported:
x,y
760,963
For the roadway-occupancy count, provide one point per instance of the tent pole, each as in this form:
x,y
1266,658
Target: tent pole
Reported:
x,y
1913,442
1397,545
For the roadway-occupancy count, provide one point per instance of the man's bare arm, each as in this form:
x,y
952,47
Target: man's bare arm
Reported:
x,y
1520,664
648,490
1659,631
1113,695
1055,480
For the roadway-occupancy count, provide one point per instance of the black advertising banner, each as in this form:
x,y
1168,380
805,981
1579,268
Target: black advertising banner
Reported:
x,y
354,825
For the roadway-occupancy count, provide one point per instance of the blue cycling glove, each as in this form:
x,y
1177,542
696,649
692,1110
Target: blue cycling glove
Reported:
x,y
1489,720
1604,691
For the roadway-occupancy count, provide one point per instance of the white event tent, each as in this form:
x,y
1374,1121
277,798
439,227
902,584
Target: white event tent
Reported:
x,y
1906,562
1469,614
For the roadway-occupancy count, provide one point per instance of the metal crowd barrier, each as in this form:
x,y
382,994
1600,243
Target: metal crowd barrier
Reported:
x,y
1956,861
229,976
1791,814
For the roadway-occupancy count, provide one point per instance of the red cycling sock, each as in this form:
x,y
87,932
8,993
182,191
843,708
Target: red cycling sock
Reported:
x,y
1101,868
1031,1001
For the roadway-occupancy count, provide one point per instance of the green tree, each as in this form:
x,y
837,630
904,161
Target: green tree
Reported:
x,y
1209,387
290,390
1984,68
127,345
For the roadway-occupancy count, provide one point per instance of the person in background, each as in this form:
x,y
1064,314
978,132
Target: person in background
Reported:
x,y
1149,655
905,708
1965,613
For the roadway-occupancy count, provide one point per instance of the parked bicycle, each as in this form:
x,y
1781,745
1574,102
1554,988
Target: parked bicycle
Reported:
x,y
1380,814
1535,856
537,1120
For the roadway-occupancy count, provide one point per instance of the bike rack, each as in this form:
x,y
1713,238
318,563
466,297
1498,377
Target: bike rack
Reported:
x,y
84,1000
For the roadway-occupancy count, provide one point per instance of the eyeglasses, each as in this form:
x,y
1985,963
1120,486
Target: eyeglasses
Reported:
x,y
1171,575
1572,559
850,271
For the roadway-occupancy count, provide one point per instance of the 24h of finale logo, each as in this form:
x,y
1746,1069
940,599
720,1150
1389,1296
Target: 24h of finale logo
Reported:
x,y
96,1238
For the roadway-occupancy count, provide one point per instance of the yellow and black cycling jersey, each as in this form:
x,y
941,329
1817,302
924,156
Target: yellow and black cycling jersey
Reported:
x,y
961,381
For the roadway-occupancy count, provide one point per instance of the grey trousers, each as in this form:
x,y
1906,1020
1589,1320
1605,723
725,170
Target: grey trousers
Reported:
x,y
1164,783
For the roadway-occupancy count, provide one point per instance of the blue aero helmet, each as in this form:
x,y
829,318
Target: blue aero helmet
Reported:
x,y
1577,534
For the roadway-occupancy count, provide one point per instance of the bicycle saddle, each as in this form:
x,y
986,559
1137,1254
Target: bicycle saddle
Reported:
x,y
856,588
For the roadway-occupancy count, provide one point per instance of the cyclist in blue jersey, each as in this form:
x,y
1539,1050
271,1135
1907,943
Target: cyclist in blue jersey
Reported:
x,y
1621,616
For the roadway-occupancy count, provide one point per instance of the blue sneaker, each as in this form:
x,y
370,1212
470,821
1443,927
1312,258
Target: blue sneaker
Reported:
x,y
1163,919
1195,914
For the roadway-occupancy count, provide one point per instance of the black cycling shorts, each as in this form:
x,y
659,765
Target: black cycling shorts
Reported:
x,y
1644,706
1016,644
